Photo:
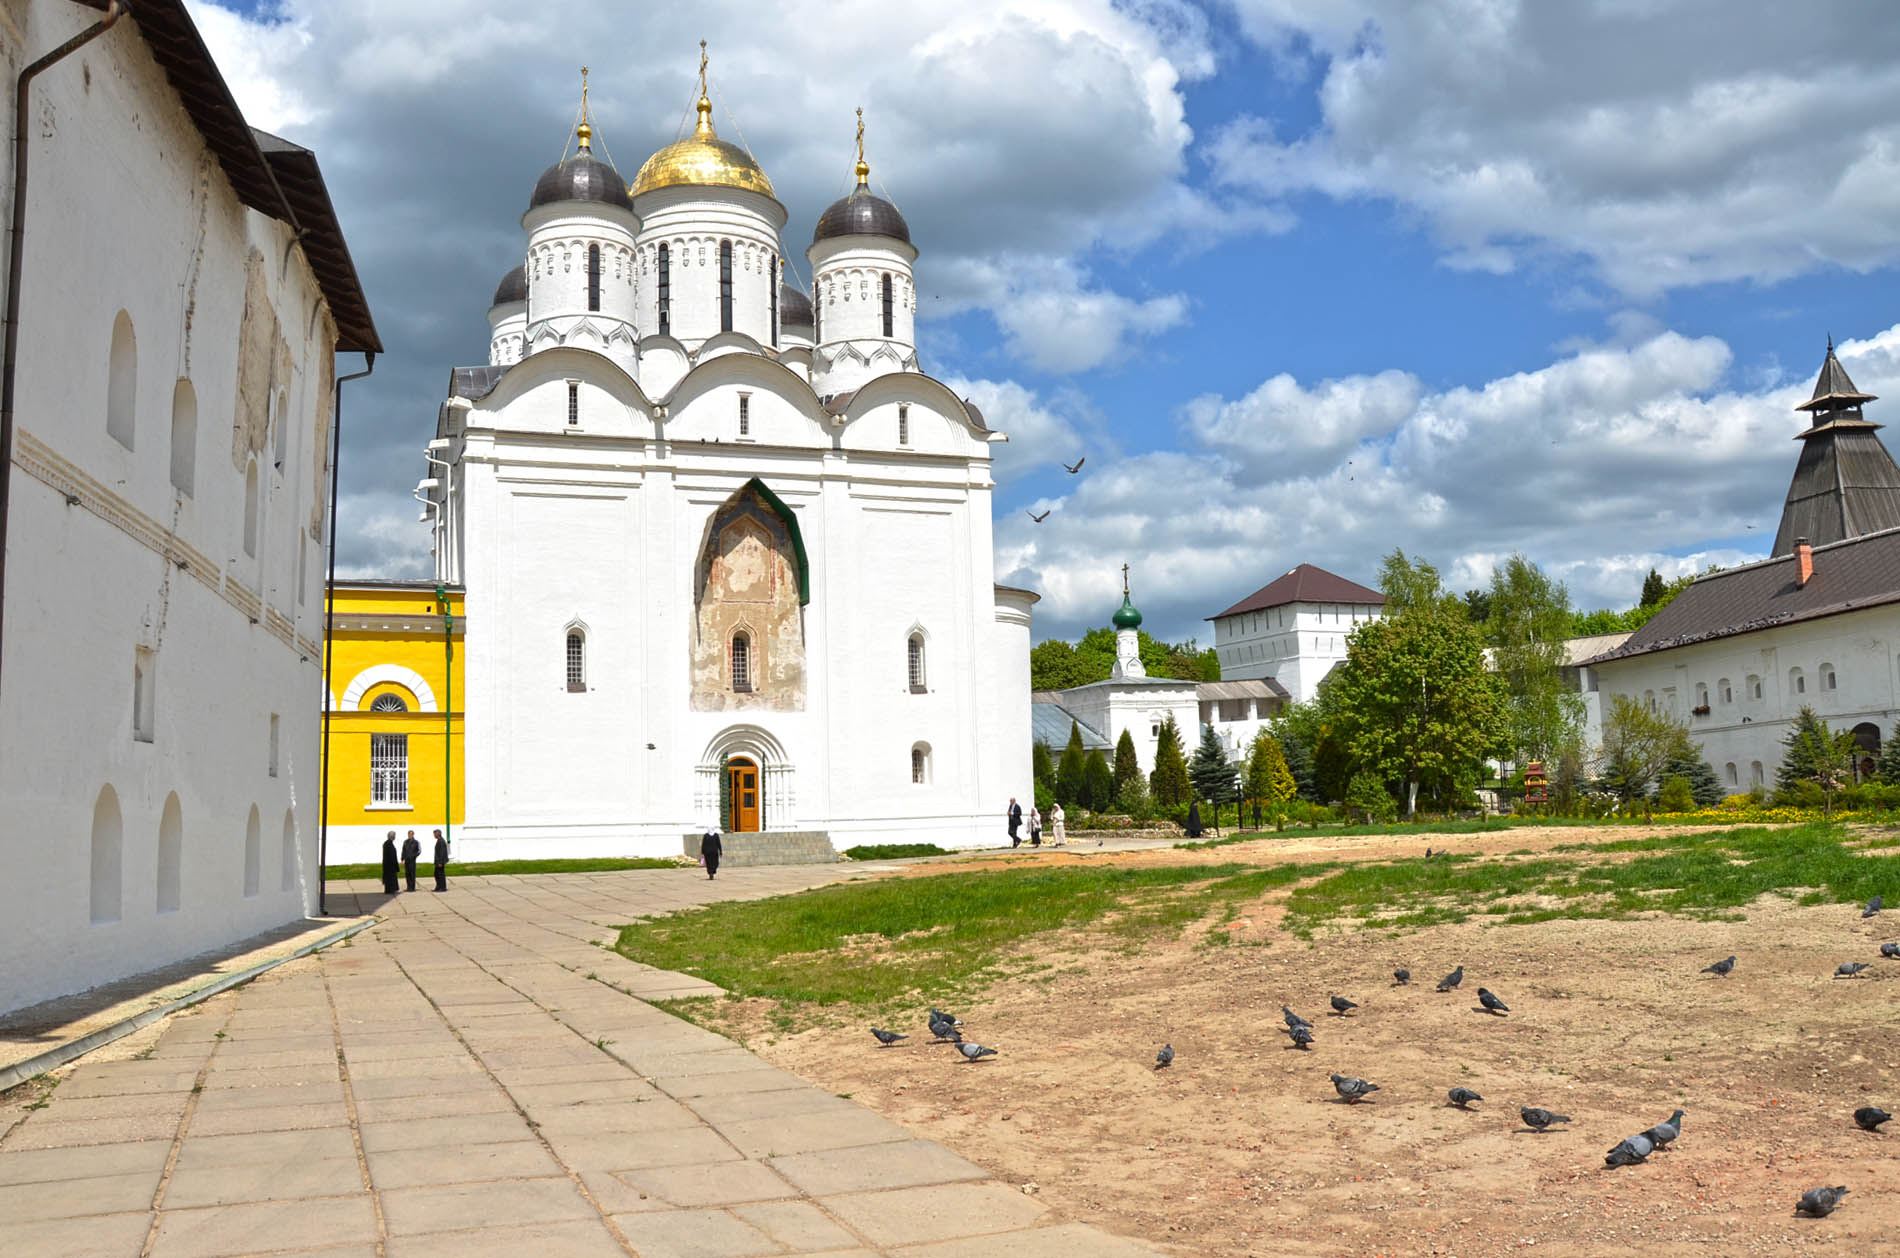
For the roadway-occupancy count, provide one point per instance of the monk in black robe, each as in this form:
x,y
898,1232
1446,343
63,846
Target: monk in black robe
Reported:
x,y
389,864
1194,820
441,862
710,850
411,852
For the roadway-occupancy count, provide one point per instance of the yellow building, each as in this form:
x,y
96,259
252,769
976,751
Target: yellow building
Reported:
x,y
395,687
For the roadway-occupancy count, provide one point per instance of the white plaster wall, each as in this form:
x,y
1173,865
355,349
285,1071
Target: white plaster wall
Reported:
x,y
1296,645
508,328
558,238
1863,647
691,222
88,583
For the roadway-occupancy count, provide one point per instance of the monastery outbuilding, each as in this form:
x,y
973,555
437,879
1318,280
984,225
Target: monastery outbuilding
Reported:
x,y
183,288
726,548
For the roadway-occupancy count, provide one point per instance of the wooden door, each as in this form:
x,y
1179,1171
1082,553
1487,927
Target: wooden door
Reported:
x,y
745,795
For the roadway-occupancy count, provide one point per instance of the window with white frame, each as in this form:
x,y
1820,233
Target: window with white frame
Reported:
x,y
1797,684
916,652
1754,687
1728,695
1702,694
576,661
388,767
920,764
388,703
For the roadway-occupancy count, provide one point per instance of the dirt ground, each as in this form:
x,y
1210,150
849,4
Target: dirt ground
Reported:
x,y
1243,1148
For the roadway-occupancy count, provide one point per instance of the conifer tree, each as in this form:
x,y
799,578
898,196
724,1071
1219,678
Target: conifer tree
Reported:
x,y
1043,766
1211,771
1269,781
1888,770
1169,782
1099,781
1704,786
1127,764
1070,782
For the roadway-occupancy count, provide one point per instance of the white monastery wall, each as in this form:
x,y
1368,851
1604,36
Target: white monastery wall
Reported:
x,y
1846,667
1296,645
113,569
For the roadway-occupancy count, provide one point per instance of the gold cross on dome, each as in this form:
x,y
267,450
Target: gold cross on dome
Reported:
x,y
702,67
1124,580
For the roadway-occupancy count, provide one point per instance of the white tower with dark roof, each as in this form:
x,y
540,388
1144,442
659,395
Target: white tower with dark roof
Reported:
x,y
864,292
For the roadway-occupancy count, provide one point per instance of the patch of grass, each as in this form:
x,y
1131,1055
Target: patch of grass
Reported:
x,y
1707,875
878,942
893,851
578,865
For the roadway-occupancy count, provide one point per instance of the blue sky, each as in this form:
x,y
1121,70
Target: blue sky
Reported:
x,y
1305,281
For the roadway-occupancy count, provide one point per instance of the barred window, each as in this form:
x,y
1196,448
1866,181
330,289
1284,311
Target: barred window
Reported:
x,y
576,662
771,286
388,768
903,425
666,291
920,764
917,663
745,414
593,277
741,662
725,286
573,404
887,304
388,703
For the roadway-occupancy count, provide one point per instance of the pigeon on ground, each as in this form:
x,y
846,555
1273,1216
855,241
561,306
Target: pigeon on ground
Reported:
x,y
945,1030
1401,977
1818,1203
1352,1089
972,1052
887,1038
1630,1152
1890,950
1539,1119
1165,1057
938,1015
1664,1134
1452,979
1301,1035
1293,1019
1492,1004
1341,1005
1873,906
1428,853
1720,969
1463,1097
1848,969
1869,1117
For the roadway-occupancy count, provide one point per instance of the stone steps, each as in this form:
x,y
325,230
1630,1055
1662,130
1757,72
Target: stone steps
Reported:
x,y
770,847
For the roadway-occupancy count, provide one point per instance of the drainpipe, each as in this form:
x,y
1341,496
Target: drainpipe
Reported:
x,y
448,715
114,12
329,628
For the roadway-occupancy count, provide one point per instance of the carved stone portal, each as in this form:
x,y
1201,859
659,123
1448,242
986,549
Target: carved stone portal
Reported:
x,y
746,587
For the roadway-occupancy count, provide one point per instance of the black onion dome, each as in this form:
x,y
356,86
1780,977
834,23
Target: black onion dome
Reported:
x,y
794,308
861,214
582,177
513,287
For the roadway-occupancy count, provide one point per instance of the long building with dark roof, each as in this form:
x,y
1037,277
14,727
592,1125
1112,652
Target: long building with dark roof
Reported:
x,y
1293,629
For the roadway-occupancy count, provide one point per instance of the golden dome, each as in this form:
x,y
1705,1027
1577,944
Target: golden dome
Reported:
x,y
702,160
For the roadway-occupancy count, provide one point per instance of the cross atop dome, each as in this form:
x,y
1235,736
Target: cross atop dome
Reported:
x,y
702,159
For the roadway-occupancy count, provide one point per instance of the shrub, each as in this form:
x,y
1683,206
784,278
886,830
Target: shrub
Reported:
x,y
1676,794
1367,795
893,851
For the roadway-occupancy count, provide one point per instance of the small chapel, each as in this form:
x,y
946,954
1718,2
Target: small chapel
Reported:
x,y
724,548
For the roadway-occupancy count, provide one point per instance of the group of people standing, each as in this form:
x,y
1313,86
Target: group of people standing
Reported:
x,y
411,853
1057,825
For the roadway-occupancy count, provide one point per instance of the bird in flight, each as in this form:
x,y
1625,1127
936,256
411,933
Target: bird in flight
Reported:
x,y
1078,465
1038,518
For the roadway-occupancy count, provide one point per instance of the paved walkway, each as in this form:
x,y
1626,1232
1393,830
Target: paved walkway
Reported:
x,y
472,1077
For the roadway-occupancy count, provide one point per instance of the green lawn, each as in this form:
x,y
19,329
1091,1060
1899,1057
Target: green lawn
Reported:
x,y
915,940
1485,826
893,851
337,873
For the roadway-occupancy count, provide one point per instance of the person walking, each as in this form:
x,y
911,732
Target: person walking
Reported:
x,y
441,862
1035,826
411,852
1056,819
710,850
1194,820
1015,822
389,865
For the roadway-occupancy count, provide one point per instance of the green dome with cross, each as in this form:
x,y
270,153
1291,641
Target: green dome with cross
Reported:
x,y
1126,617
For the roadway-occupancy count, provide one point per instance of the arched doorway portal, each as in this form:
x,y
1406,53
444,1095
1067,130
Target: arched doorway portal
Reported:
x,y
1867,753
742,786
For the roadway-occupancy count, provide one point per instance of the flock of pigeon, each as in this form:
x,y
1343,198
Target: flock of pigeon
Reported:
x,y
1815,1203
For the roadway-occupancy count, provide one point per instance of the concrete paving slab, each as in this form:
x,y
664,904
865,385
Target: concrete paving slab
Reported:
x,y
797,1225
695,1234
251,1098
260,1227
43,1131
439,1133
908,1216
267,1118
811,1132
900,1165
419,1211
592,1151
419,1168
38,1166
583,1239
198,1151
484,1100
94,1236
1062,1241
717,1184
65,1199
279,1180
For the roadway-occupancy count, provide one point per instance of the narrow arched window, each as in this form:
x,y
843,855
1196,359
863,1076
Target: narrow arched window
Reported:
x,y
725,286
388,703
184,437
576,662
1755,777
280,430
771,286
920,764
666,291
1728,770
122,382
108,851
253,853
287,874
171,853
903,425
917,663
741,662
250,509
1827,677
887,305
593,277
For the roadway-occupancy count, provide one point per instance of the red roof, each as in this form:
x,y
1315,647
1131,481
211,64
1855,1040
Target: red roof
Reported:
x,y
1305,584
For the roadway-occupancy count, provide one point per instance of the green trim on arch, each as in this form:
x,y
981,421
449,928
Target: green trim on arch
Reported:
x,y
784,513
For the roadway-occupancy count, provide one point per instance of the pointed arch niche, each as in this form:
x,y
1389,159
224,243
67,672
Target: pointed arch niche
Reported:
x,y
752,581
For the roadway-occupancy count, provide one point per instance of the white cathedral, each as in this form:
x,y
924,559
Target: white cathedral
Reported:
x,y
726,549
